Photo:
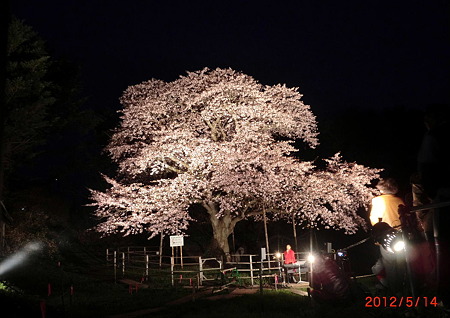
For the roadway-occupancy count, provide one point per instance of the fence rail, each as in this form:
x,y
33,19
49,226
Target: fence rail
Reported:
x,y
254,264
192,269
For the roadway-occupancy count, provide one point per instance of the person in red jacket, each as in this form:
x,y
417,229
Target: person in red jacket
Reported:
x,y
291,265
289,255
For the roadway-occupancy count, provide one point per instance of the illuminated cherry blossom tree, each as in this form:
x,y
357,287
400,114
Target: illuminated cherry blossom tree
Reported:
x,y
212,138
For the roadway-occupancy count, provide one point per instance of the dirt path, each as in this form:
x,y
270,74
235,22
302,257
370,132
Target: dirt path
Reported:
x,y
200,294
208,293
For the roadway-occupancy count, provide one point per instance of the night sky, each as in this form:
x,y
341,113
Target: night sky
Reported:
x,y
360,54
351,54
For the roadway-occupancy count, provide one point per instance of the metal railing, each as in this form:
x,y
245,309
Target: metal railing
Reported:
x,y
138,259
253,265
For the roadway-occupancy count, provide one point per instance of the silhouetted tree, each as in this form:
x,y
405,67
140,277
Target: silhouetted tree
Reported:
x,y
49,134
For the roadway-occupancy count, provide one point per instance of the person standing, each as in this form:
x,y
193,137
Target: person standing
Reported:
x,y
291,265
289,255
385,206
390,267
434,176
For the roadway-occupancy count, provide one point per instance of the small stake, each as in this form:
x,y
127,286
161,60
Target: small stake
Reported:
x,y
131,288
43,309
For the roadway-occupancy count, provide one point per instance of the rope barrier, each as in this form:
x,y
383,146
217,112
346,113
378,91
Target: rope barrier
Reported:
x,y
429,206
357,243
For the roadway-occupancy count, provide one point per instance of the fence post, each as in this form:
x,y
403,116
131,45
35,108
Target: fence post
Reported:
x,y
260,276
160,250
171,268
181,256
146,266
200,270
123,264
251,269
115,266
198,280
107,256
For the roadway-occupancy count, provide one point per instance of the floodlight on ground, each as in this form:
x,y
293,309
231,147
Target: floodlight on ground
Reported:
x,y
341,253
399,246
393,242
388,237
19,257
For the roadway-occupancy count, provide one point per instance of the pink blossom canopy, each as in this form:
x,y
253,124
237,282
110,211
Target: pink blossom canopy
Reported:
x,y
213,137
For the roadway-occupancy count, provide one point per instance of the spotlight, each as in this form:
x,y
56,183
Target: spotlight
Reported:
x,y
19,257
399,246
278,255
393,242
311,258
342,253
389,238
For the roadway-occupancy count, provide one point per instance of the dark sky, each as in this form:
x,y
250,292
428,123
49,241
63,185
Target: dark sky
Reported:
x,y
370,54
350,53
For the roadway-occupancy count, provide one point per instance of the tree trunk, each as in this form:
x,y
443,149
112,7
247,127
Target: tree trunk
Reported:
x,y
266,234
294,229
221,232
222,229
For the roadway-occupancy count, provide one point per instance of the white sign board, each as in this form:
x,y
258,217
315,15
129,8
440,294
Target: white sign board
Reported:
x,y
176,240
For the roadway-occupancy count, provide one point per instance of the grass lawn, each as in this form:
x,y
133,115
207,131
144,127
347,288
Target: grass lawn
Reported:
x,y
95,294
76,290
283,303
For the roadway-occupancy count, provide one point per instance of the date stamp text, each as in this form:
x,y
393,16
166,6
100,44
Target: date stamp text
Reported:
x,y
402,301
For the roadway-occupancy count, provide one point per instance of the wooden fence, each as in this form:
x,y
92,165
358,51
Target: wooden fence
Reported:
x,y
138,259
192,270
271,266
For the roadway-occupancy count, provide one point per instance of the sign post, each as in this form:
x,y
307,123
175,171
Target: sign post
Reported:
x,y
177,240
263,257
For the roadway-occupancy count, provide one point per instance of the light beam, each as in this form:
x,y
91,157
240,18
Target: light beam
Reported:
x,y
19,257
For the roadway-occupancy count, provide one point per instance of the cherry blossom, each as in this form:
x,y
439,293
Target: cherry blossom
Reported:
x,y
213,138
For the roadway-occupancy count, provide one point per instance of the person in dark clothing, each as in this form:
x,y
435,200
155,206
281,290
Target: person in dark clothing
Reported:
x,y
432,160
329,283
434,174
390,267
